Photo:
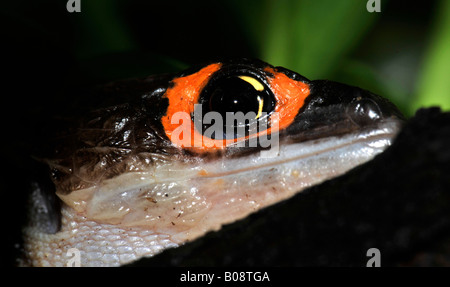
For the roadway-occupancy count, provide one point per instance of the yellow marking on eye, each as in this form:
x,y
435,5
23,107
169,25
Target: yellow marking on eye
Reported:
x,y
254,82
260,107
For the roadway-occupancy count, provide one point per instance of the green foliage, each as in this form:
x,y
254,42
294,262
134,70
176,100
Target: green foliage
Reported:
x,y
320,38
433,88
309,36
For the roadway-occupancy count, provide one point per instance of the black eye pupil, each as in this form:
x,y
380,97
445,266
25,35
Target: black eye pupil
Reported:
x,y
234,95
239,95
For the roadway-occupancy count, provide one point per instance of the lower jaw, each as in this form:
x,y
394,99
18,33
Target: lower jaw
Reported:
x,y
216,198
97,244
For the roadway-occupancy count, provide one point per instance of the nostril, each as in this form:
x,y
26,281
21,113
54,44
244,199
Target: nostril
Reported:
x,y
364,111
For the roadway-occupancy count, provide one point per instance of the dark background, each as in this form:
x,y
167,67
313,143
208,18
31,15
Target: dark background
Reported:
x,y
396,53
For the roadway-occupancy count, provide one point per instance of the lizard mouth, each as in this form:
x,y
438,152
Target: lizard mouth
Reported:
x,y
134,215
187,201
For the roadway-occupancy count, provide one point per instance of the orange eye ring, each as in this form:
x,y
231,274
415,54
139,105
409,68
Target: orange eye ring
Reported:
x,y
185,92
290,96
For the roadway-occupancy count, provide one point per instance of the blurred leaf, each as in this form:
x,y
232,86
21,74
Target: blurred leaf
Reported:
x,y
106,48
308,36
102,29
368,78
434,85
